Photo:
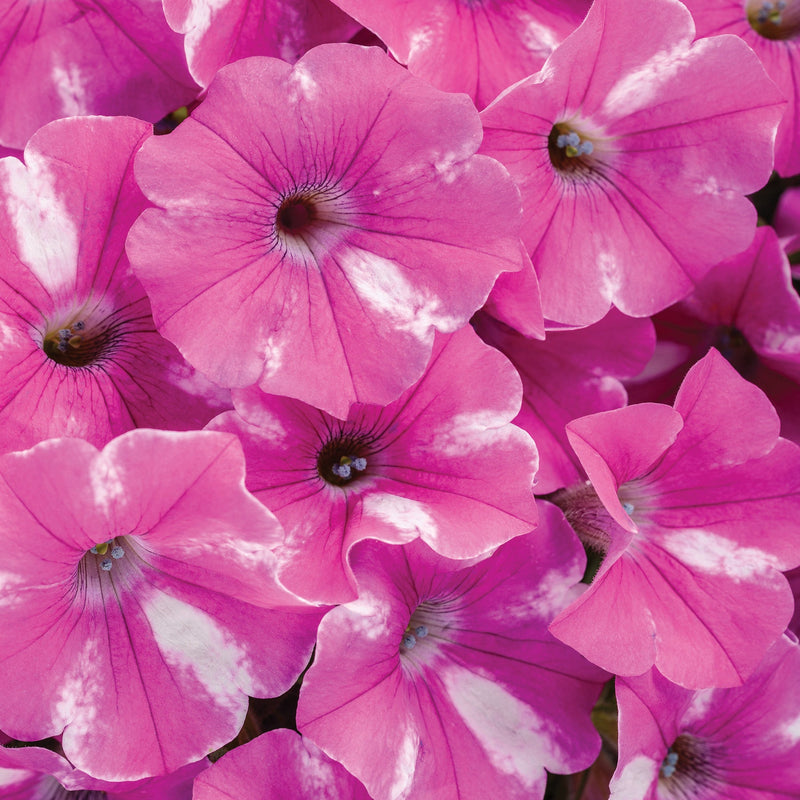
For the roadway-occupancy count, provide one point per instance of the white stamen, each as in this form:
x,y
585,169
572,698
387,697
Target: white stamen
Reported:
x,y
668,770
628,508
586,148
409,641
93,549
106,564
360,464
79,326
421,631
117,552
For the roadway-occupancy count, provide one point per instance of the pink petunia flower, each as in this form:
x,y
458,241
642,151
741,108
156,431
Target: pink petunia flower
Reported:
x,y
137,600
475,47
320,218
81,356
66,58
442,462
442,682
569,375
723,744
632,146
748,309
34,773
771,29
693,511
278,765
218,33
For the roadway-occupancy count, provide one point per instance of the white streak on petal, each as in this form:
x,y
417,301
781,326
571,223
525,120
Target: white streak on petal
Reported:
x,y
107,487
80,695
71,91
716,555
475,431
791,730
369,617
636,776
403,514
316,774
47,239
191,640
514,738
640,88
405,763
304,85
382,285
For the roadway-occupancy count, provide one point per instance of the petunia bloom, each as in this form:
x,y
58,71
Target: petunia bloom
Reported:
x,y
442,682
693,511
723,744
34,773
278,765
747,308
771,29
478,47
138,601
81,355
569,375
66,58
218,33
320,217
443,462
623,161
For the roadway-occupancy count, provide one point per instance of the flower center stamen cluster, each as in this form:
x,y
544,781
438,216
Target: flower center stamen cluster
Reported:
x,y
570,151
344,469
82,343
342,459
106,549
687,768
778,19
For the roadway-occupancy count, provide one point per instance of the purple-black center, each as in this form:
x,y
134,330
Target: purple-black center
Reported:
x,y
80,343
342,460
687,770
774,19
296,213
570,151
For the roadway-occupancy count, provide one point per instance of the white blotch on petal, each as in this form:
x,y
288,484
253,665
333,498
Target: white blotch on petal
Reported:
x,y
641,88
513,737
107,486
79,698
791,731
199,18
405,763
47,238
538,38
191,640
473,432
381,284
406,515
636,775
303,84
71,91
700,707
273,357
610,275
316,775
716,555
420,41
370,618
